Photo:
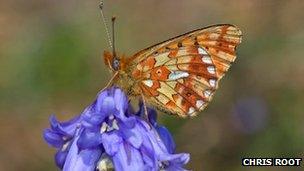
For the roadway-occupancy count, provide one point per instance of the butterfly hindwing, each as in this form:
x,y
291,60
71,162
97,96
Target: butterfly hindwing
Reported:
x,y
180,75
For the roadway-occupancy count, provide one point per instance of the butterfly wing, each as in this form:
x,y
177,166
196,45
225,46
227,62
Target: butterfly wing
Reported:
x,y
180,75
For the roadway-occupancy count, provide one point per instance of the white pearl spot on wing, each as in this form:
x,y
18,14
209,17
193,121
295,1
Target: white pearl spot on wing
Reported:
x,y
202,51
211,69
199,103
212,82
148,83
191,110
207,59
207,93
175,75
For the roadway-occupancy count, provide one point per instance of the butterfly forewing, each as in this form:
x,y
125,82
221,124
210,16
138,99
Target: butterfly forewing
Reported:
x,y
180,76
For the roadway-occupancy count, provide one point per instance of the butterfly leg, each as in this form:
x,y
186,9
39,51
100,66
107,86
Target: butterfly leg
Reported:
x,y
146,117
110,82
145,107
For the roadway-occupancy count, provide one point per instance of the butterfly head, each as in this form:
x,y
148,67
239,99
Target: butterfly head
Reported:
x,y
114,62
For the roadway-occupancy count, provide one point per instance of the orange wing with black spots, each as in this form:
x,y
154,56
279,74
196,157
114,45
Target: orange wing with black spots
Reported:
x,y
179,76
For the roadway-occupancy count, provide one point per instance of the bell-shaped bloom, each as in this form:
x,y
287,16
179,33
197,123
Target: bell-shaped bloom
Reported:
x,y
108,135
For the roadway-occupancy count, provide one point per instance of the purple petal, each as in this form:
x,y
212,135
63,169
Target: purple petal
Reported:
x,y
105,103
121,105
177,159
65,128
152,115
111,142
96,106
152,139
52,138
107,106
60,157
91,118
84,160
166,138
182,158
128,158
127,122
89,139
133,136
149,157
121,100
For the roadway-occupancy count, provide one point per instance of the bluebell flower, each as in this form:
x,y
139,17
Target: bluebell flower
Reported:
x,y
108,135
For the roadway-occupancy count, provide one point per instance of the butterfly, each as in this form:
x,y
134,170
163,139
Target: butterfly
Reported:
x,y
178,76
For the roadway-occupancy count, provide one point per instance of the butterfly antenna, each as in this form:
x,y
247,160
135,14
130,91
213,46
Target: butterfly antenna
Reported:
x,y
105,23
113,35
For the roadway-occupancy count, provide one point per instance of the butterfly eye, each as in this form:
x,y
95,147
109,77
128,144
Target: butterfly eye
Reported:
x,y
115,64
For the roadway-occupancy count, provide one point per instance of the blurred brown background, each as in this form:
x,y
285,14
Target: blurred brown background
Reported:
x,y
50,62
